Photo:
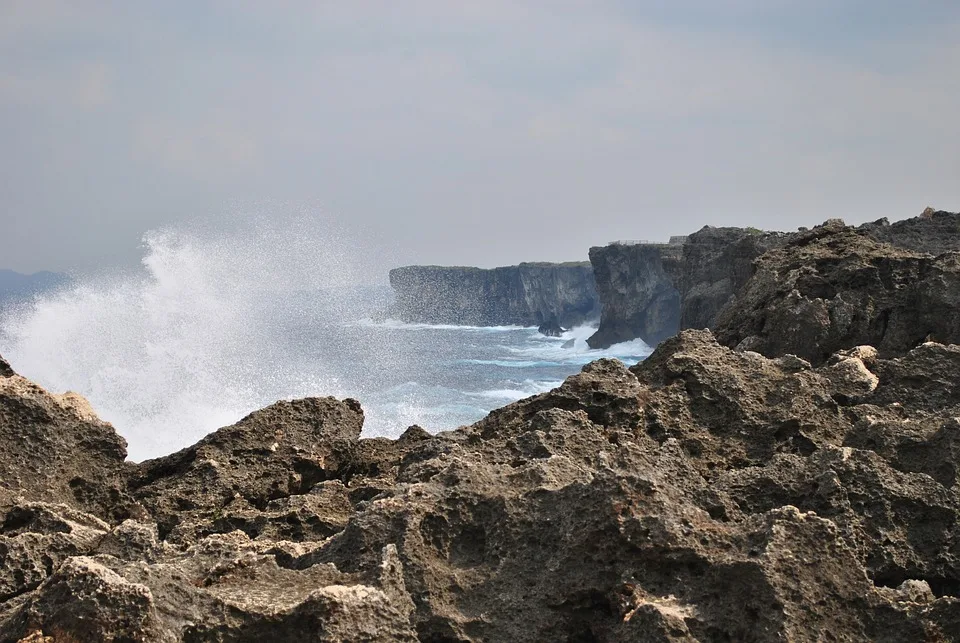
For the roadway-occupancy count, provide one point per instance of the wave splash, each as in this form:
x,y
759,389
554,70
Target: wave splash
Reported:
x,y
200,335
220,321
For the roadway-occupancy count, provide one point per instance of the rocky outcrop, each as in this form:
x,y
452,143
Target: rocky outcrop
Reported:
x,y
526,295
55,448
650,291
638,295
704,494
551,329
934,232
715,265
836,287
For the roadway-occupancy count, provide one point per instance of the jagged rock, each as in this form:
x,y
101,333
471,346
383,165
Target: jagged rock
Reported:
x,y
834,288
85,601
57,450
650,291
36,537
934,232
705,494
551,329
280,451
5,370
132,541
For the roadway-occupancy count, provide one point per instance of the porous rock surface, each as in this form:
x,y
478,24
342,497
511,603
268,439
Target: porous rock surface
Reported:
x,y
835,287
705,494
53,447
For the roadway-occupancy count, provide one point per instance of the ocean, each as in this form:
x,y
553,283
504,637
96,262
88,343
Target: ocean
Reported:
x,y
214,325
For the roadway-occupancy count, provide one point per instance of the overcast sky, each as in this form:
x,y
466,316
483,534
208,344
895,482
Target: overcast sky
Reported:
x,y
481,132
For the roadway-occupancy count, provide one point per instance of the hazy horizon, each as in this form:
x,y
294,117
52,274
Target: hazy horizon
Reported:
x,y
466,133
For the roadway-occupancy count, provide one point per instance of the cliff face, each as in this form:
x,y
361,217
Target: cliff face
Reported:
x,y
651,291
527,295
638,297
716,263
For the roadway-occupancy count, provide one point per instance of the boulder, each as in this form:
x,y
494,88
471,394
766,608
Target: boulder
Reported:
x,y
551,329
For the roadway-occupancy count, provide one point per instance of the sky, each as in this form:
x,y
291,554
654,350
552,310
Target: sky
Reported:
x,y
465,132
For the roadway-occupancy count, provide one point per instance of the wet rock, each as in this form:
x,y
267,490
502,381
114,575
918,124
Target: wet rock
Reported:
x,y
551,329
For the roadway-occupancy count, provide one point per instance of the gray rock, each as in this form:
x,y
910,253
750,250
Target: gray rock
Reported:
x,y
637,293
526,295
835,288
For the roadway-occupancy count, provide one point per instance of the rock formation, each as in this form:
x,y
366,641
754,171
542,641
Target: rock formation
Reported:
x,y
934,232
526,295
638,295
551,329
704,494
837,286
715,265
651,297
710,493
53,447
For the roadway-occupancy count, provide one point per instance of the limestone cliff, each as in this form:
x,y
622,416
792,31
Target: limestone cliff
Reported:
x,y
651,291
716,263
636,285
527,295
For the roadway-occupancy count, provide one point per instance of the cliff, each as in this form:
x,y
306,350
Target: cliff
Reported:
x,y
715,265
651,291
638,296
526,295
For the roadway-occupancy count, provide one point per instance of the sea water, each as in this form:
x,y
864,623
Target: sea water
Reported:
x,y
217,323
